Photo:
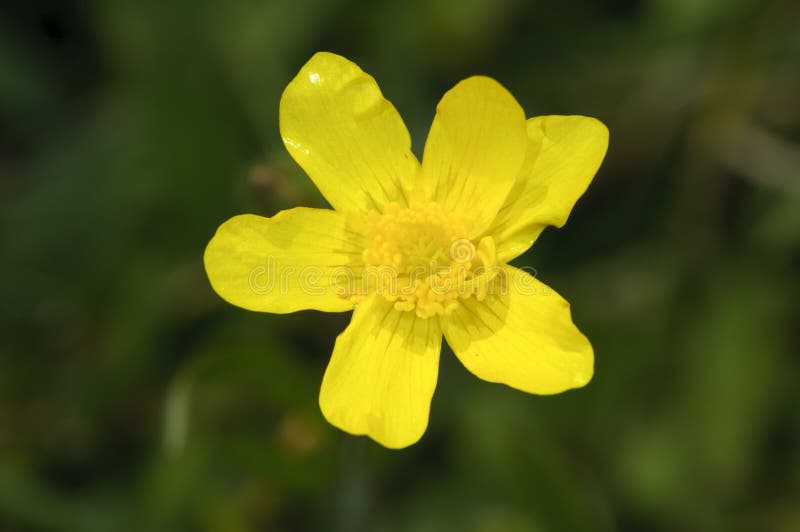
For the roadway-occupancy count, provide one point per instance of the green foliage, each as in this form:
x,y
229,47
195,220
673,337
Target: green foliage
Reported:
x,y
133,398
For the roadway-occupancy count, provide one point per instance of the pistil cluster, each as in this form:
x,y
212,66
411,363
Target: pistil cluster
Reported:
x,y
420,258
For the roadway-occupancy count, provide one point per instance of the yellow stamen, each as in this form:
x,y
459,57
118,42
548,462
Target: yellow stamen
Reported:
x,y
420,258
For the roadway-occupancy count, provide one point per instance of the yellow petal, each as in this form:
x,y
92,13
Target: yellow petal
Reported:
x,y
564,153
348,138
382,374
474,150
284,263
522,335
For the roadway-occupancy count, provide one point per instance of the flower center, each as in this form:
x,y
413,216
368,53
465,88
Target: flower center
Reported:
x,y
421,259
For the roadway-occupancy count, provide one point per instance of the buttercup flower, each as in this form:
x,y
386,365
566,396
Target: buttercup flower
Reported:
x,y
417,250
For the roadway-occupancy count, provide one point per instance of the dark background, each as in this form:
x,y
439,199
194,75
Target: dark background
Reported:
x,y
133,398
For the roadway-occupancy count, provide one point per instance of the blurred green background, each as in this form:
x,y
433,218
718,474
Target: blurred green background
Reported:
x,y
132,398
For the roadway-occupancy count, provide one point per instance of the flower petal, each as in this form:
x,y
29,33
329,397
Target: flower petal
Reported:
x,y
564,153
348,138
382,374
284,263
474,150
521,335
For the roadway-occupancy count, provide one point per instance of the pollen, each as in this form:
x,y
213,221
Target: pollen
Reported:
x,y
420,258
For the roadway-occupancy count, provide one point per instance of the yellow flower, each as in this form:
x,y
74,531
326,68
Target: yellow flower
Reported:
x,y
417,250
